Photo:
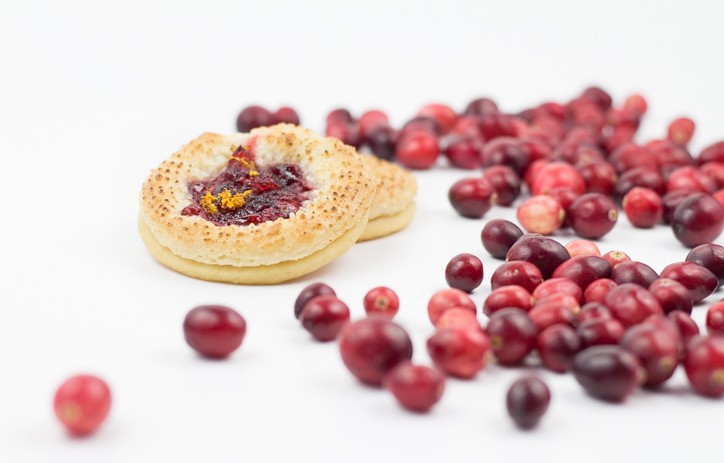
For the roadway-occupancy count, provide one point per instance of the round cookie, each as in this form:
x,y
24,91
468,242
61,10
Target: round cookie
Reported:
x,y
257,208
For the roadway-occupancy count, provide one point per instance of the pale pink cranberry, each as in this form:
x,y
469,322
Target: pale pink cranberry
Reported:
x,y
417,150
615,257
681,130
447,298
558,175
444,115
582,248
457,317
715,318
597,291
554,286
541,214
82,404
381,301
460,352
416,387
643,207
636,103
508,296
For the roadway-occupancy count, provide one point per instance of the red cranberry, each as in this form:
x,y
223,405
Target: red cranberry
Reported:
x,y
558,285
607,372
481,107
698,280
381,139
458,317
346,132
309,293
512,335
498,236
558,175
719,196
565,198
597,290
373,346
583,270
286,115
593,311
506,151
636,103
549,313
381,300
339,115
681,130
518,273
715,171
715,318
505,182
527,401
557,345
600,177
471,197
370,119
669,155
537,148
643,177
82,403
712,153
582,248
671,201
630,304
504,297
593,215
252,117
686,326
561,300
691,179
598,96
545,253
498,126
600,331
416,387
214,330
445,299
464,272
464,152
467,126
417,150
709,256
541,214
324,317
704,364
698,219
616,257
460,352
629,156
672,295
421,124
656,349
643,207
634,272
444,115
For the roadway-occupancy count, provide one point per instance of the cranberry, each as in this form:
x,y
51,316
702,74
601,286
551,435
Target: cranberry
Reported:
x,y
467,126
583,270
582,248
471,197
643,207
545,253
324,317
634,272
286,115
698,219
346,132
460,352
712,153
558,175
381,139
615,257
715,318
512,335
417,150
593,215
600,177
681,130
498,126
371,119
698,280
458,317
507,151
643,177
607,372
656,349
309,293
537,148
481,107
381,300
636,103
339,115
447,298
464,152
252,117
669,155
715,171
82,403
704,364
553,286
629,156
600,331
444,115
557,345
630,304
464,272
593,311
214,330
416,387
549,313
709,256
672,295
541,214
691,179
421,124
498,236
527,401
671,201
505,182
685,325
597,290
598,96
373,346
507,296
518,273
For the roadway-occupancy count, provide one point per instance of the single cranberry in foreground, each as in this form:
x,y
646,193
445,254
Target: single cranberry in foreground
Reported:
x,y
512,335
459,351
498,236
593,215
381,300
607,372
252,117
715,318
324,317
711,257
417,150
471,197
445,299
582,248
373,346
464,272
309,293
541,214
704,364
82,403
557,346
214,331
416,387
527,401
698,219
657,349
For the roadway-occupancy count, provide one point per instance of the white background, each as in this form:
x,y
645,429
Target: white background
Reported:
x,y
93,96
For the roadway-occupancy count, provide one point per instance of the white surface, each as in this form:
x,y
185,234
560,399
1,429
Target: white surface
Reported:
x,y
93,96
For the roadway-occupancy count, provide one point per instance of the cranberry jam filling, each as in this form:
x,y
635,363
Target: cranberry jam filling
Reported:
x,y
244,194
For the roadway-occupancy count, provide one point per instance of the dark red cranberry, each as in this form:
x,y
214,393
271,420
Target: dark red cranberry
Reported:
x,y
324,317
712,153
599,176
557,345
643,207
630,156
656,349
498,126
630,304
373,346
417,150
607,372
346,132
615,257
464,152
643,177
593,311
704,364
506,151
286,115
634,272
416,387
214,331
698,280
498,236
548,313
698,219
339,115
600,331
464,272
481,107
540,214
505,182
445,299
555,175
537,148
583,270
372,119
681,130
381,301
671,201
252,117
715,318
460,352
593,215
558,285
545,253
672,295
471,197
309,293
711,257
597,290
504,297
527,401
382,139
519,273
689,178
512,335
669,155
444,115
